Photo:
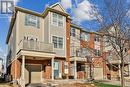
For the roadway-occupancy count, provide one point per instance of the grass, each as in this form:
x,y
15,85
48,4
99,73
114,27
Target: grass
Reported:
x,y
105,85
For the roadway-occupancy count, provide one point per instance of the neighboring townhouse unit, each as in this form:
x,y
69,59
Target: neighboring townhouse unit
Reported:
x,y
38,45
85,57
113,64
1,68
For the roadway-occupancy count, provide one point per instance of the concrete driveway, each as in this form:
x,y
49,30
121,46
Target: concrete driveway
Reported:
x,y
4,85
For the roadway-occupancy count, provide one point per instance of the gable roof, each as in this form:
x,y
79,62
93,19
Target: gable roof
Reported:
x,y
34,13
58,4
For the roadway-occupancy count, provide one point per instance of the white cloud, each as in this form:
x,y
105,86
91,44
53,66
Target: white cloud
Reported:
x,y
84,11
128,1
128,13
66,3
9,18
2,53
1,50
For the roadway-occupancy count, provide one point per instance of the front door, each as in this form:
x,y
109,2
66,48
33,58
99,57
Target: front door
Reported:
x,y
56,69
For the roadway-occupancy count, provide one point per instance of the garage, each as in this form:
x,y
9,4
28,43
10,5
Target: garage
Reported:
x,y
33,73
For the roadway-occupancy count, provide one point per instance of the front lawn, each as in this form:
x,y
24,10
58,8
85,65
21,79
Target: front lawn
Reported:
x,y
104,85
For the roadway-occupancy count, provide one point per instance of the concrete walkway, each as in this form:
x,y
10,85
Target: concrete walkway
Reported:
x,y
4,85
55,83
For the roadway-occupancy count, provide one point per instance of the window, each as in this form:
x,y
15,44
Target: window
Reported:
x,y
96,38
78,53
57,20
85,36
58,42
107,38
84,51
72,33
31,20
97,52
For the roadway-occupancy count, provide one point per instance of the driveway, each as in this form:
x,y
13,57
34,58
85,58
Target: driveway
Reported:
x,y
4,85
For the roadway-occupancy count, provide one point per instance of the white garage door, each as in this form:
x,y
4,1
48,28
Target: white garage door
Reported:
x,y
33,74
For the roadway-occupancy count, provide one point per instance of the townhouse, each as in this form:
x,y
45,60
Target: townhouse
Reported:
x,y
85,55
113,64
47,45
38,45
1,68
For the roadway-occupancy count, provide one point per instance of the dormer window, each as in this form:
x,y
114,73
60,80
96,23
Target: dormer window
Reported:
x,y
31,20
57,20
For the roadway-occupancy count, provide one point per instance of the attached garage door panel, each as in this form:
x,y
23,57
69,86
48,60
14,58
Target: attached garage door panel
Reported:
x,y
33,73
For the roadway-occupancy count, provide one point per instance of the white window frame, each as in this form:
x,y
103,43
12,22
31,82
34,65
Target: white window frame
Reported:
x,y
97,53
32,19
58,47
57,20
73,32
85,36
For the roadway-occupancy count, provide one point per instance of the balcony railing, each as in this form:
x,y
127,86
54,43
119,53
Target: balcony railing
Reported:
x,y
115,59
35,46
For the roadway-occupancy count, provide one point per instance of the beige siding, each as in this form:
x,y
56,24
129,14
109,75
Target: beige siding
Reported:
x,y
12,42
29,31
75,42
46,29
59,32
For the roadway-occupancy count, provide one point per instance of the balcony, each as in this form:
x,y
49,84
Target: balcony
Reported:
x,y
115,60
31,45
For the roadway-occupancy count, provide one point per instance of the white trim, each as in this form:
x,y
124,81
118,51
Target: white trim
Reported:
x,y
58,37
63,21
49,25
52,65
59,5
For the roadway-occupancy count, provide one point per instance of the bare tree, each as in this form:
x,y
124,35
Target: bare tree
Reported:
x,y
114,22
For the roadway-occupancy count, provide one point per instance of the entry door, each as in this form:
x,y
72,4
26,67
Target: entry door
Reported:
x,y
56,69
33,74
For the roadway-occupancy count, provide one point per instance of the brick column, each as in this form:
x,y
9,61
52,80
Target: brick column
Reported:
x,y
68,27
52,66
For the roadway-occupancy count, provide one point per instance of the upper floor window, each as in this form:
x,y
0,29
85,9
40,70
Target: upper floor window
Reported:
x,y
57,41
106,38
78,53
72,33
84,51
97,52
97,38
85,36
31,20
57,19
